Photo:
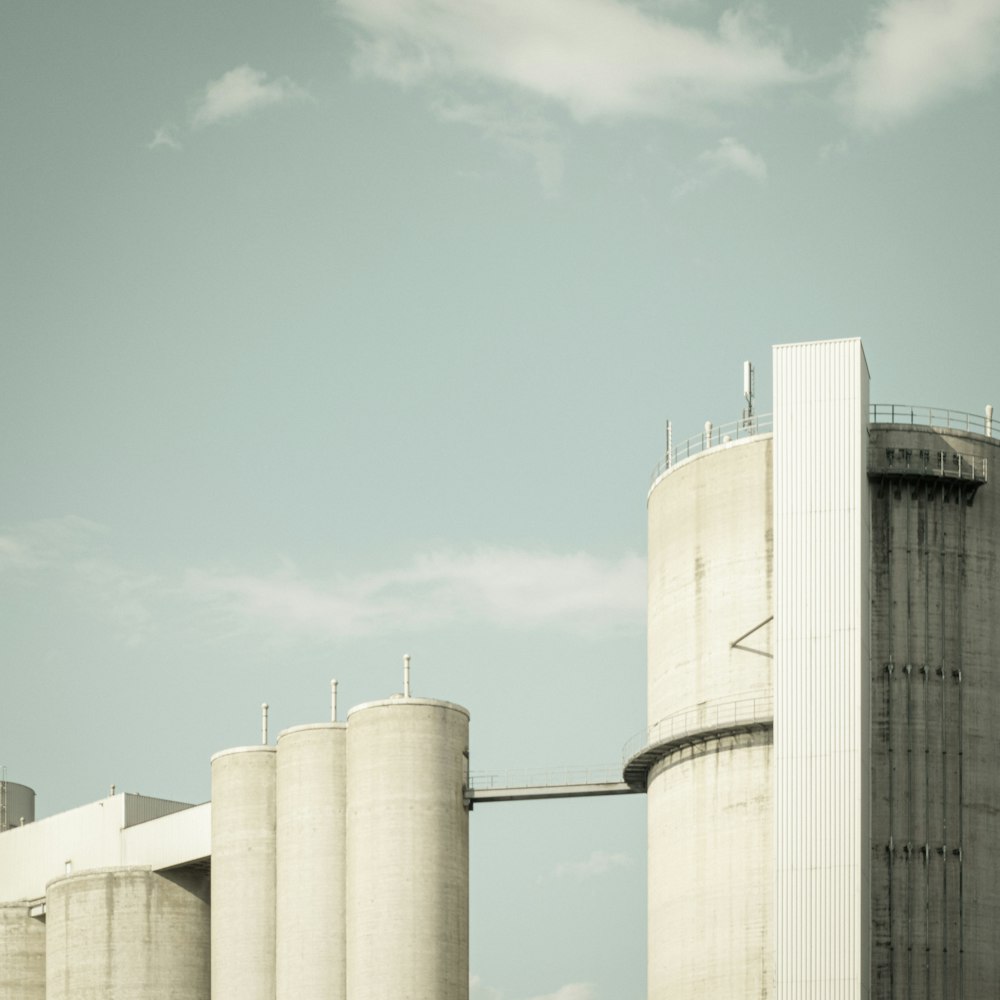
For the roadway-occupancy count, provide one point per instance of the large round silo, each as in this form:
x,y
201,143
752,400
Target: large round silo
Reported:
x,y
17,805
935,709
125,934
22,953
407,851
706,760
243,874
311,943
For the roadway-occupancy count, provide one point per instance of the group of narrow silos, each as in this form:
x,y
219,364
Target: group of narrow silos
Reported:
x,y
340,859
339,868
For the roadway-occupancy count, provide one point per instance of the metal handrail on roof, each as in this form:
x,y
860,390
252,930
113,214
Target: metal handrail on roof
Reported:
x,y
931,416
713,437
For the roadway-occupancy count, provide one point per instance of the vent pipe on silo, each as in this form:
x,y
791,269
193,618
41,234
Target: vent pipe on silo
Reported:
x,y
263,723
406,675
708,433
989,420
333,701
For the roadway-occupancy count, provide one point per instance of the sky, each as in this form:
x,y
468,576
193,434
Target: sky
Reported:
x,y
341,329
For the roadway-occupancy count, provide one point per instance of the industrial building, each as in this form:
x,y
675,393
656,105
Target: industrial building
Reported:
x,y
822,750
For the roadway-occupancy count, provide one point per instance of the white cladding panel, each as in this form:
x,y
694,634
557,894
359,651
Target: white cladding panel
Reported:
x,y
821,698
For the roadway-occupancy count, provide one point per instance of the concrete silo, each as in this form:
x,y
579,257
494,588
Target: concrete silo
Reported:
x,y
310,878
22,953
935,706
125,934
17,804
243,874
706,765
407,851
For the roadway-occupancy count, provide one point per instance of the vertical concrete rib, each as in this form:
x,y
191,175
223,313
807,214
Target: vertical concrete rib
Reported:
x,y
407,851
310,939
243,874
822,553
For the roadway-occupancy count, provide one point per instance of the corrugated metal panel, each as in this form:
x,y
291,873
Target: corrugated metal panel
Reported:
x,y
142,808
821,698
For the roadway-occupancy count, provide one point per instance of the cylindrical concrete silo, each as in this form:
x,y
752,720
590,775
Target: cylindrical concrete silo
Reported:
x,y
17,805
243,874
935,712
311,843
125,934
707,759
407,851
22,954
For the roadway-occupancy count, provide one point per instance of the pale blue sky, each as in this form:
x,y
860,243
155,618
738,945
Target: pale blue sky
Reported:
x,y
333,331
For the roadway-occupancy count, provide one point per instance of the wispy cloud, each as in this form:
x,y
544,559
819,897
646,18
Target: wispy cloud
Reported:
x,y
164,137
599,863
728,155
571,991
70,550
919,53
241,91
595,58
507,587
521,134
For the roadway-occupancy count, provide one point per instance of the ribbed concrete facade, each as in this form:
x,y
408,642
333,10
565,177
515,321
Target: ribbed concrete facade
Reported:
x,y
407,851
125,934
311,827
936,706
243,874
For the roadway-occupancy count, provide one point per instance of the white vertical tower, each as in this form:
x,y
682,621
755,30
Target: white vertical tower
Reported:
x,y
821,672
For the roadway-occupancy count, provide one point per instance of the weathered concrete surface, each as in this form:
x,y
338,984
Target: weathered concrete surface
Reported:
x,y
710,579
311,943
710,889
711,872
125,934
935,732
22,954
407,851
243,874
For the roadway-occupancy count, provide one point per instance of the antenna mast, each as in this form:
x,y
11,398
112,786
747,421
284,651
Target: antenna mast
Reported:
x,y
749,391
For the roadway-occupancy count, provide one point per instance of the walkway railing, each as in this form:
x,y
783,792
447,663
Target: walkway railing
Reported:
x,y
928,416
745,711
545,777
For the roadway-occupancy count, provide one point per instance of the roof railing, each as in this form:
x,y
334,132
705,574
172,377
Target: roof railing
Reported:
x,y
712,437
935,416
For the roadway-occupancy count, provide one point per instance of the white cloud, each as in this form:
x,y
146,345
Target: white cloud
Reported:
x,y
506,587
599,863
920,52
728,155
166,136
596,58
571,991
241,91
67,551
